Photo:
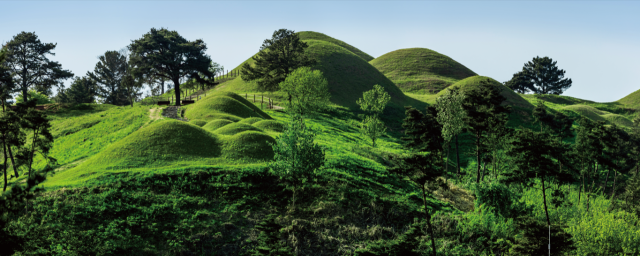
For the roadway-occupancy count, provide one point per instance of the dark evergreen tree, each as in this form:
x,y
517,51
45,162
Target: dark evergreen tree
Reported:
x,y
82,90
519,83
423,132
278,57
545,76
108,74
7,86
484,108
424,171
535,239
536,156
30,67
270,241
41,138
164,53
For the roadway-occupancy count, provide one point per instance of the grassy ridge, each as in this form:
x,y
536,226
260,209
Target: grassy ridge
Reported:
x,y
421,70
310,35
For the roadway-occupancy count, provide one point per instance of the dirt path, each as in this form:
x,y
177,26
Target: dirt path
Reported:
x,y
155,114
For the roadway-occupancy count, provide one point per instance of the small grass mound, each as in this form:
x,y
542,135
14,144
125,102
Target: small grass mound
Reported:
x,y
587,111
270,125
512,98
420,70
251,120
235,128
216,124
198,122
618,120
227,103
250,145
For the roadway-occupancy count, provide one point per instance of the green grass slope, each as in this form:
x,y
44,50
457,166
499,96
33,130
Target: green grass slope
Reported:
x,y
310,35
632,100
421,70
216,124
235,128
270,125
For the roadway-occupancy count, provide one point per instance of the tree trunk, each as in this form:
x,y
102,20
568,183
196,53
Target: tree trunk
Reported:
x,y
613,190
13,162
478,157
457,156
606,180
176,87
33,149
25,88
544,201
4,165
161,86
428,216
446,164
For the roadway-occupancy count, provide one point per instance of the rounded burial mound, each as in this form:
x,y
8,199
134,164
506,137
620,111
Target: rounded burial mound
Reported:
x,y
199,123
216,124
251,120
159,143
512,98
270,125
226,103
420,70
632,100
310,35
235,128
250,145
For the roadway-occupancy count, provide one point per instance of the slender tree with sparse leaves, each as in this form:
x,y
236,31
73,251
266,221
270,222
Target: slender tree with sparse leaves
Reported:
x,y
373,102
451,115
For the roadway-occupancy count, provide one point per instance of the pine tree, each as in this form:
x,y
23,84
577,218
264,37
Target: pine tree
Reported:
x,y
520,83
545,76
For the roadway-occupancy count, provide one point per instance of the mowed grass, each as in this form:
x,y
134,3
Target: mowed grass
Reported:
x,y
310,35
421,70
225,103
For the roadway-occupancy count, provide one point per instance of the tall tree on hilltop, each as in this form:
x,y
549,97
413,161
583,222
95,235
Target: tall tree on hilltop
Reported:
x,y
30,67
7,86
278,57
108,73
82,90
545,76
520,83
164,53
483,105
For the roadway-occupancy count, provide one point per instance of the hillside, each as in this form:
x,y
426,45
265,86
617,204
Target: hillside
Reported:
x,y
421,70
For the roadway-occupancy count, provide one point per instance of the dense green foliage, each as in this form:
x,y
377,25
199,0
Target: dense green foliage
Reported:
x,y
307,91
234,177
540,75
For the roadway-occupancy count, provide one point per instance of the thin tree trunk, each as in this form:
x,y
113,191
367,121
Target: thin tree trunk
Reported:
x,y
478,157
544,200
4,165
457,156
433,240
613,190
33,149
13,162
604,187
446,164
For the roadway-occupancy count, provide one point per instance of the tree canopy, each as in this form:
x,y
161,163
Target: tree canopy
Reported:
x,y
164,53
307,89
278,57
30,67
108,74
545,76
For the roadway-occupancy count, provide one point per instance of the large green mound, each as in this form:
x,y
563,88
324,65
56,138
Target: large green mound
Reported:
x,y
587,111
235,128
632,100
420,70
310,35
251,145
198,122
227,103
251,120
512,98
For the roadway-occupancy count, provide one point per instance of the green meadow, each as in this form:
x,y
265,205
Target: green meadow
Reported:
x,y
131,181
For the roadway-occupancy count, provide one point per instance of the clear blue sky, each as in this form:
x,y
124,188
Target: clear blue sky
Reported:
x,y
596,42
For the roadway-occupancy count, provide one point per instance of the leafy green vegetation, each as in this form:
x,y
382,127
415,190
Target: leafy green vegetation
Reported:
x,y
239,178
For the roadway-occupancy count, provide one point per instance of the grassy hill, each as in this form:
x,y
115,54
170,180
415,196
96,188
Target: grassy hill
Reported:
x,y
310,35
632,100
421,70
